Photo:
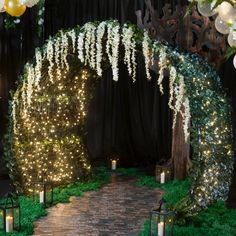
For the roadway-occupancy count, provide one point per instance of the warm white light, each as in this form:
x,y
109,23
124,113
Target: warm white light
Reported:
x,y
9,224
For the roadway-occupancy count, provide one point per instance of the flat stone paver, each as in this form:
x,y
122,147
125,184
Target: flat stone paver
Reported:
x,y
118,209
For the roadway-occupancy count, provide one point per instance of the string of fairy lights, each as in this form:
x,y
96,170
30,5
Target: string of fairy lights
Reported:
x,y
43,144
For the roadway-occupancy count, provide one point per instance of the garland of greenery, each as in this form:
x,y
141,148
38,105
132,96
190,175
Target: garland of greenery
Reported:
x,y
51,102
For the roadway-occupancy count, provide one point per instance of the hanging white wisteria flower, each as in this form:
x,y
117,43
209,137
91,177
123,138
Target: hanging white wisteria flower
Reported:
x,y
30,83
23,96
89,45
58,53
130,50
112,47
13,109
186,118
115,51
179,93
50,57
172,78
38,67
181,104
147,53
100,33
72,35
80,47
64,51
162,66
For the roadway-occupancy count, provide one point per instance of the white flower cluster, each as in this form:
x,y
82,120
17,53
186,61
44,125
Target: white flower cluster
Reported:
x,y
72,35
23,97
112,47
178,101
50,57
186,118
64,51
172,78
162,66
89,45
80,47
100,33
130,50
58,53
147,53
30,83
38,67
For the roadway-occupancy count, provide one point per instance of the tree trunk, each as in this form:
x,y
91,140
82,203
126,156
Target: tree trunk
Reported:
x,y
180,151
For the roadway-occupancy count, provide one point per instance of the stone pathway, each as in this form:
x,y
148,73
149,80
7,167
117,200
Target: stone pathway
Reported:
x,y
118,209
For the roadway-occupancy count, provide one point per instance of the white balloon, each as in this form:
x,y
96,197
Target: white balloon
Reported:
x,y
221,26
2,5
205,9
234,61
226,11
232,39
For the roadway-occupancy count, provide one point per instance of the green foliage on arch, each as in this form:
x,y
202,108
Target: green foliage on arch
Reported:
x,y
49,108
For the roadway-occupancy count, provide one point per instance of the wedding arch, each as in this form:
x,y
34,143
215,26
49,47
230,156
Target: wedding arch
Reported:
x,y
49,108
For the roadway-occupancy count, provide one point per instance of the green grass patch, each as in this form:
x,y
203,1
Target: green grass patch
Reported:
x,y
31,210
214,221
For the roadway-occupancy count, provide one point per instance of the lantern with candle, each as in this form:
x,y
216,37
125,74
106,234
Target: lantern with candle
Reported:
x,y
43,192
163,173
10,215
114,158
161,222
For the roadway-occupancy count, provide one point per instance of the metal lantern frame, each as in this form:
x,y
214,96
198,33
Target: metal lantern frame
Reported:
x,y
47,187
167,169
10,203
167,217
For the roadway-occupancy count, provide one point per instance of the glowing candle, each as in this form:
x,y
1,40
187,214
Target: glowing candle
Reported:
x,y
162,177
113,164
9,224
161,229
41,197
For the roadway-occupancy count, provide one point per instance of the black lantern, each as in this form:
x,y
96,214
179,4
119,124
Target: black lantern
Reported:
x,y
161,222
10,215
43,192
163,173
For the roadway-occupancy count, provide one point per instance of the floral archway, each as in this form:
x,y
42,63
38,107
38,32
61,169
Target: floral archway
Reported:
x,y
49,108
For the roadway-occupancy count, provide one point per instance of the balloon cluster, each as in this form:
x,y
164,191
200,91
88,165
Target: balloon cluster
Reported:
x,y
225,21
16,7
